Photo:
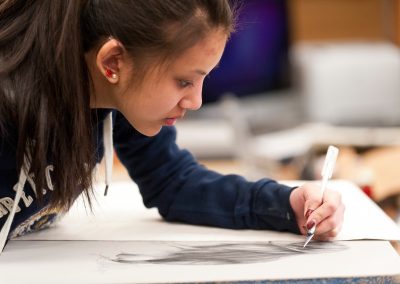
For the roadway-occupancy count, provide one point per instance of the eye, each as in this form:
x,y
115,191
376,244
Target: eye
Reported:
x,y
185,83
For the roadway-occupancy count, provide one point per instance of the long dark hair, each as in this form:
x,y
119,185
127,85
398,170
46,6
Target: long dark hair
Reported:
x,y
45,84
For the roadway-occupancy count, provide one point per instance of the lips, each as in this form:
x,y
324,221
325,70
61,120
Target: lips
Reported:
x,y
170,121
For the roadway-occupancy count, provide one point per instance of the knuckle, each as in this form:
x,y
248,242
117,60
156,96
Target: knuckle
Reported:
x,y
331,223
333,233
318,217
330,206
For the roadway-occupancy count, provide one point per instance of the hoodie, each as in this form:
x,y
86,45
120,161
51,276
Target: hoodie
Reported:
x,y
168,178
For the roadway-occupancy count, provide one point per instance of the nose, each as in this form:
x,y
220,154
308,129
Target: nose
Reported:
x,y
192,100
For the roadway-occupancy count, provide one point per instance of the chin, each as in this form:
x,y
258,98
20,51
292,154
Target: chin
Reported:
x,y
149,131
146,128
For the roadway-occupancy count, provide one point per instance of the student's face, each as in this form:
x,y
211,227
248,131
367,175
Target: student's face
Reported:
x,y
164,97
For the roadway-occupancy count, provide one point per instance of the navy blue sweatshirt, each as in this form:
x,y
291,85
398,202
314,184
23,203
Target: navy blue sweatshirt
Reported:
x,y
168,178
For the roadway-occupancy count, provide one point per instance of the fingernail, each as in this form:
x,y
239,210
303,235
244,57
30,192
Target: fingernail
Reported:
x,y
310,224
308,213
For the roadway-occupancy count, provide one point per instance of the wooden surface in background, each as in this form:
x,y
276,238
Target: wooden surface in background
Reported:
x,y
322,20
396,12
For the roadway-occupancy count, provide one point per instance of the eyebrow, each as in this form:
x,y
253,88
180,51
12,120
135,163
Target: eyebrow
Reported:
x,y
201,72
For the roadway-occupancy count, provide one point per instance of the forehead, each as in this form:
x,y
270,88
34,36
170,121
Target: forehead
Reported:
x,y
205,54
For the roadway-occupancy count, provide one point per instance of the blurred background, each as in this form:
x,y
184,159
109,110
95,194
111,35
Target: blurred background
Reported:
x,y
297,76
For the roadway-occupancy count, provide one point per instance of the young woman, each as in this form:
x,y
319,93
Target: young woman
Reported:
x,y
75,71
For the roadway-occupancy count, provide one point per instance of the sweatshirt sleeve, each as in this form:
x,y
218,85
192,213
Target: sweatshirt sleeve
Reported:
x,y
170,179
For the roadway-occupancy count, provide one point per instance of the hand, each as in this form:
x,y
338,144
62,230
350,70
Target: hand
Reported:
x,y
310,208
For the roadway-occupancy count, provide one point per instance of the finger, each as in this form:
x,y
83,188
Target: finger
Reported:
x,y
329,235
313,198
331,202
331,226
304,229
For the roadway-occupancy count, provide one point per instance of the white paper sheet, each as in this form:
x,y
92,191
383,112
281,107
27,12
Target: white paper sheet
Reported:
x,y
123,242
91,262
121,216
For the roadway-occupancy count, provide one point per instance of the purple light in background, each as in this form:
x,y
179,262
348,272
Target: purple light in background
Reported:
x,y
256,57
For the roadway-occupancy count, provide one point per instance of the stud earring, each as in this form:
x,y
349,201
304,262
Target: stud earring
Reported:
x,y
110,74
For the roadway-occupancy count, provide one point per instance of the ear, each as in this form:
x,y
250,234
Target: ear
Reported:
x,y
109,60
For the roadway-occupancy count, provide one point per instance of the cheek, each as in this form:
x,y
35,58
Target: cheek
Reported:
x,y
149,106
151,102
163,100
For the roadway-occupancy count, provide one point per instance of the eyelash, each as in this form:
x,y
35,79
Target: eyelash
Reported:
x,y
185,84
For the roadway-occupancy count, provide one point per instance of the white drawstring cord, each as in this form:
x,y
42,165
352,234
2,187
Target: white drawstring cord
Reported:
x,y
108,149
20,187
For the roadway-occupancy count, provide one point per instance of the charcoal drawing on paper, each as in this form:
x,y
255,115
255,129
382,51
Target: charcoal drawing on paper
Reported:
x,y
211,253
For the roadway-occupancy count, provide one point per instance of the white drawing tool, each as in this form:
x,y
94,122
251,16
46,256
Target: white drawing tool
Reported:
x,y
326,173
